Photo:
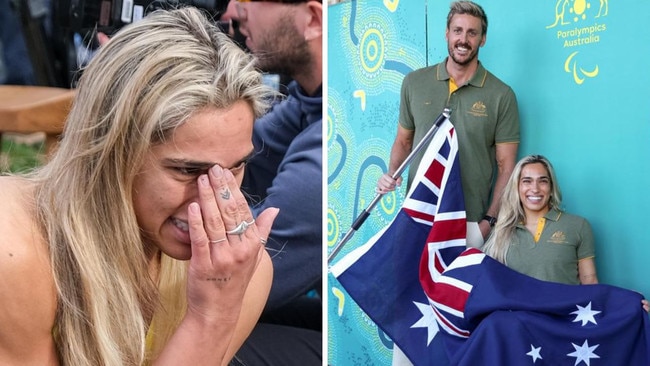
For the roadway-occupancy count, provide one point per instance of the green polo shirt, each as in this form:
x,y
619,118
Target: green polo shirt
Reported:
x,y
484,113
564,239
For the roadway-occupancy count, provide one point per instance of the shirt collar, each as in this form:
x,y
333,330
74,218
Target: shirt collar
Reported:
x,y
552,214
477,80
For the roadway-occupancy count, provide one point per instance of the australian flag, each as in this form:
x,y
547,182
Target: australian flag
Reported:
x,y
382,276
443,304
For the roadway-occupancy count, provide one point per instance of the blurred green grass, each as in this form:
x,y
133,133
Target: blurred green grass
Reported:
x,y
16,156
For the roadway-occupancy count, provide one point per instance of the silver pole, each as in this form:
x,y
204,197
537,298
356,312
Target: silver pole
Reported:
x,y
365,213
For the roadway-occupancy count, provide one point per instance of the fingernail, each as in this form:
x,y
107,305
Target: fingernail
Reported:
x,y
277,211
203,180
217,170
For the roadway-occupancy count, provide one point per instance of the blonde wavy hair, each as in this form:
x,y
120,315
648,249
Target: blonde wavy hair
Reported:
x,y
147,81
512,212
469,8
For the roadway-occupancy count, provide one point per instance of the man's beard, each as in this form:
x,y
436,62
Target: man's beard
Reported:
x,y
472,55
283,50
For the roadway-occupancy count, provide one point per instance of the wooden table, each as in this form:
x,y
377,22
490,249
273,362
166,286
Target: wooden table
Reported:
x,y
29,109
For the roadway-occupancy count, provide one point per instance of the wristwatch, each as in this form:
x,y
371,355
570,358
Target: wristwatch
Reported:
x,y
490,219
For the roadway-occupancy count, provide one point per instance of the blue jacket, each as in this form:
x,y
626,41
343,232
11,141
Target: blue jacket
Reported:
x,y
286,172
16,66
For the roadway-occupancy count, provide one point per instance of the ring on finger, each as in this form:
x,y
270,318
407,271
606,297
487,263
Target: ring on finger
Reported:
x,y
263,241
217,241
241,228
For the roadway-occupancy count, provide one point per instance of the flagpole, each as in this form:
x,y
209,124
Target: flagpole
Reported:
x,y
365,213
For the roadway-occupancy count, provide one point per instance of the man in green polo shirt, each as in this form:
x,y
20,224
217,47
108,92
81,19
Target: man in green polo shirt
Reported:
x,y
483,111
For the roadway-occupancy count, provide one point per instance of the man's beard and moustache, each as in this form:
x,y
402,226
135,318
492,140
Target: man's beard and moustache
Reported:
x,y
283,50
473,54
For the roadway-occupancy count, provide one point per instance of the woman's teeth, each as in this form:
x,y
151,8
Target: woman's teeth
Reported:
x,y
181,224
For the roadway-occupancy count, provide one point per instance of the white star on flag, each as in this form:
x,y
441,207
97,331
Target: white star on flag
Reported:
x,y
583,353
427,320
585,314
535,353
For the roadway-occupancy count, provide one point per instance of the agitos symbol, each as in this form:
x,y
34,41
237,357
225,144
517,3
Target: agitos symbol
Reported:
x,y
579,79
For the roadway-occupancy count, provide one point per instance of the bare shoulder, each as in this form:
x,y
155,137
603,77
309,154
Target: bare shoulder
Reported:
x,y
17,219
27,291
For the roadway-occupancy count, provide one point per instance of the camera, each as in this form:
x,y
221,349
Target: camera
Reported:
x,y
75,24
108,16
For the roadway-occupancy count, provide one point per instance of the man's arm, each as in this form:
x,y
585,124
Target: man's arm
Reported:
x,y
287,173
506,156
295,243
399,152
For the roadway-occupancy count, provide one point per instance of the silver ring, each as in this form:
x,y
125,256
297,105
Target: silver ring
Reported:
x,y
217,241
263,241
241,228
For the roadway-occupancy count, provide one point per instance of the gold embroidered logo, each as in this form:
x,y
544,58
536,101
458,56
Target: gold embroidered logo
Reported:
x,y
478,109
558,237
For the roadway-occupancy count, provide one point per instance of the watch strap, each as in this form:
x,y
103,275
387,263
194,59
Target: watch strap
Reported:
x,y
490,219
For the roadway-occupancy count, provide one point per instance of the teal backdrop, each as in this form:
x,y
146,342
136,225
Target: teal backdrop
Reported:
x,y
580,72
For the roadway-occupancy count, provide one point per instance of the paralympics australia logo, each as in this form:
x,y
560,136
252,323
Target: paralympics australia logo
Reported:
x,y
579,23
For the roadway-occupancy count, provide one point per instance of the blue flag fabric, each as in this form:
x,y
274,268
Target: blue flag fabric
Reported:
x,y
382,276
443,304
514,319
